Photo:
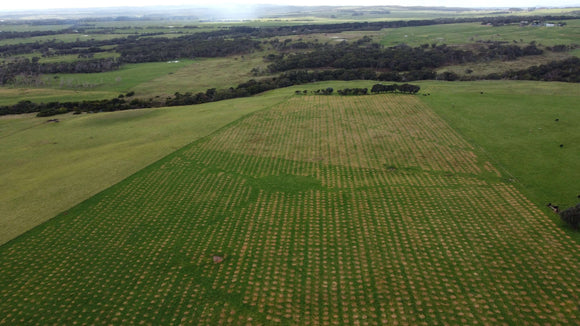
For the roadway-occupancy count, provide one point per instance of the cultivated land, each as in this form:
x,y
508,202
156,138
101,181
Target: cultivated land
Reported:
x,y
385,209
326,210
48,167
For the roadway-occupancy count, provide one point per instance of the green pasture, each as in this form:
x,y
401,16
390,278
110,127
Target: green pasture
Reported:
x,y
201,74
46,168
146,79
122,80
31,27
514,122
473,32
73,37
323,210
10,96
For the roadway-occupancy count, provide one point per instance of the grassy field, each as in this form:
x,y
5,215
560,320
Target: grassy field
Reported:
x,y
202,74
106,85
48,167
472,32
10,95
325,210
515,122
63,38
146,79
122,80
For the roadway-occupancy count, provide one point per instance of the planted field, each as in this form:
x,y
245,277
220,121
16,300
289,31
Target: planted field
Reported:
x,y
47,167
322,210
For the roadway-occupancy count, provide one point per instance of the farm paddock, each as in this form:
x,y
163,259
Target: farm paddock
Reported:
x,y
324,210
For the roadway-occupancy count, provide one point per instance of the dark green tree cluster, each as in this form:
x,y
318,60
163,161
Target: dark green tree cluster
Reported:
x,y
395,59
54,47
353,91
571,216
325,91
190,46
567,70
9,70
404,88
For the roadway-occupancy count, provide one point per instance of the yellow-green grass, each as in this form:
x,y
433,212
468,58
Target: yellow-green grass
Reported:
x,y
473,32
500,66
64,38
201,74
46,168
9,96
146,79
122,80
31,28
326,210
515,123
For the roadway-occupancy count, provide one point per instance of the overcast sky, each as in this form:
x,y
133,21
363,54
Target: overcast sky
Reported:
x,y
54,4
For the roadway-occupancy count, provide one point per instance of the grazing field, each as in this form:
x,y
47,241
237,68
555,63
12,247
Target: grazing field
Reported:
x,y
47,167
203,74
121,80
321,210
454,34
521,125
10,96
94,86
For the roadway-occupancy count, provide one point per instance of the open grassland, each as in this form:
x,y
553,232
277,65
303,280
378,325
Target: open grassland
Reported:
x,y
473,32
46,168
326,210
121,80
515,122
146,79
10,96
202,74
71,37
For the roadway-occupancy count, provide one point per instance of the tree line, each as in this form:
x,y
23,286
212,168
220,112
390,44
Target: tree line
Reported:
x,y
9,71
249,88
398,58
190,46
566,70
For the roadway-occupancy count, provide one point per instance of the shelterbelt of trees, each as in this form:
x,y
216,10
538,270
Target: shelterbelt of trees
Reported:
x,y
567,70
397,58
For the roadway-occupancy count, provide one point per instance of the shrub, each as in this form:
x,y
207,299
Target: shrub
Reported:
x,y
571,216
